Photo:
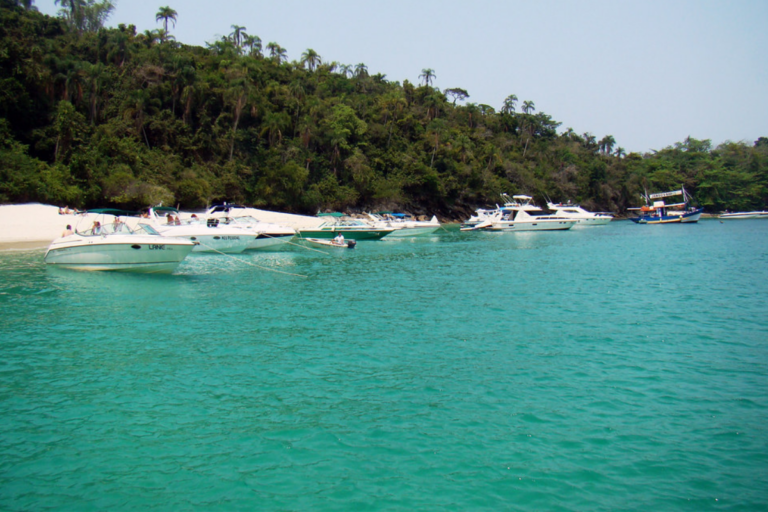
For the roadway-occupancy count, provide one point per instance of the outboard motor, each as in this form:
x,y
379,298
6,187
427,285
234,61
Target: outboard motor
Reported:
x,y
351,244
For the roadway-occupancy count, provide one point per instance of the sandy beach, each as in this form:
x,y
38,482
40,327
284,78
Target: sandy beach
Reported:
x,y
32,226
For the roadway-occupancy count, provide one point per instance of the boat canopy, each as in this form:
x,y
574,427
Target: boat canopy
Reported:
x,y
667,194
165,209
332,214
113,211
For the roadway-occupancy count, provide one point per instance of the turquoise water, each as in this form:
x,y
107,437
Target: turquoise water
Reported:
x,y
614,368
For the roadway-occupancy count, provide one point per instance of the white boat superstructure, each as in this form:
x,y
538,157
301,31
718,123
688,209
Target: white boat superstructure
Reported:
x,y
521,220
114,246
404,225
268,234
582,216
209,235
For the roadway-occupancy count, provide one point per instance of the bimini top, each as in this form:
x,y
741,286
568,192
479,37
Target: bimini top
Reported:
x,y
332,214
113,211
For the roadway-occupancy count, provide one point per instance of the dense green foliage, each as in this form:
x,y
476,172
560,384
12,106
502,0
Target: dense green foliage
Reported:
x,y
108,117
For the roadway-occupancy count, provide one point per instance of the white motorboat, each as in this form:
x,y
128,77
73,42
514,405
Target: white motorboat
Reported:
x,y
268,233
582,216
520,214
405,225
211,236
332,242
116,247
743,215
483,218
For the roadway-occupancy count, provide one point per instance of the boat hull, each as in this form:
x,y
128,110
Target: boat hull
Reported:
x,y
264,241
373,234
685,218
542,225
226,243
743,215
414,231
595,221
157,257
324,242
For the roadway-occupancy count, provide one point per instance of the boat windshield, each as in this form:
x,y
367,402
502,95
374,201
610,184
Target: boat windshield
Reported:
x,y
112,228
146,229
245,220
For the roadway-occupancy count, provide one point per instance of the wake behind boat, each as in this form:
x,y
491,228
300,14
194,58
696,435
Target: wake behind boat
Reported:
x,y
116,247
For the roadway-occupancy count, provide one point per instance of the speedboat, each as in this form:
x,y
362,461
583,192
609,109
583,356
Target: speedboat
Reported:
x,y
582,216
325,242
743,215
405,225
234,215
115,246
353,229
210,235
656,211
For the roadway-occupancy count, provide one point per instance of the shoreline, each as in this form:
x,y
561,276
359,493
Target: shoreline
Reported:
x,y
33,226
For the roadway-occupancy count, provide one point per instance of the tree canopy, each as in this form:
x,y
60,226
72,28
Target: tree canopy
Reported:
x,y
93,116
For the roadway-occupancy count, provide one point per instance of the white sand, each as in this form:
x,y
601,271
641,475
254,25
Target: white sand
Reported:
x,y
36,225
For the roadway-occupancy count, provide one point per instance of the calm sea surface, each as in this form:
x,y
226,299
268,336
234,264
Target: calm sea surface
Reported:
x,y
614,368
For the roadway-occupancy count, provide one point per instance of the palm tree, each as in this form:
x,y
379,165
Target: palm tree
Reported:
x,y
620,153
238,35
361,70
253,43
606,144
427,75
311,59
528,107
165,14
277,52
346,70
509,104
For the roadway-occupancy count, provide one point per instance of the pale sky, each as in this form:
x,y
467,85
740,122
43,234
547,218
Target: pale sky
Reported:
x,y
648,72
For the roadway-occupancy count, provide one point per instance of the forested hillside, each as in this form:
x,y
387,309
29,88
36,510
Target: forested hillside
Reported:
x,y
93,116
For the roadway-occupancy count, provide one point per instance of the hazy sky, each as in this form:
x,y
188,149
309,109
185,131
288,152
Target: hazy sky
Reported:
x,y
648,72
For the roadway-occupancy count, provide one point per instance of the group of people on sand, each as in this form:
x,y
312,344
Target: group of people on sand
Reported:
x,y
67,211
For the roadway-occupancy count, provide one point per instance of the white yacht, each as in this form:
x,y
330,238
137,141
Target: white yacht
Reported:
x,y
743,215
268,234
582,216
211,236
404,225
520,214
483,218
115,246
